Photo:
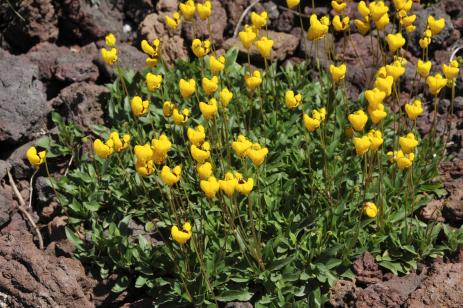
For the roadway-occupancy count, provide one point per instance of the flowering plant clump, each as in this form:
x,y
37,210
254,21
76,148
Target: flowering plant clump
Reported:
x,y
215,182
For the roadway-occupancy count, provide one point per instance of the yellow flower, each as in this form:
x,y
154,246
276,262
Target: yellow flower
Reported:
x,y
340,24
201,48
196,135
171,177
435,25
423,68
317,29
139,106
436,83
187,9
378,114
210,85
109,56
110,40
374,97
181,236
370,209
291,100
403,5
204,170
174,21
451,70
385,84
404,161
180,118
363,26
377,10
408,143
242,186
161,147
358,119
210,187
414,110
376,139
167,109
187,88
425,40
311,124
363,9
292,3
204,10
338,72
208,110
264,45
259,20
144,168
217,64
143,152
241,146
151,62
408,21
201,153
395,41
382,22
36,159
103,150
257,154
228,184
339,6
362,144
319,114
253,81
247,36
225,97
152,51
395,70
119,144
153,82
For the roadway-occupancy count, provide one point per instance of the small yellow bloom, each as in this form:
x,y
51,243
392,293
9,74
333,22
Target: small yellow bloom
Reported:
x,y
370,209
395,41
103,150
414,110
362,144
358,120
196,135
339,6
451,70
423,68
404,161
37,158
174,21
377,10
424,42
151,50
187,88
187,9
408,143
210,187
161,147
311,124
244,187
376,139
340,24
204,170
225,97
181,236
338,72
241,145
201,153
216,64
395,70
144,168
378,114
151,62
228,184
208,110
109,56
201,48
259,20
139,106
253,81
403,5
408,21
153,81
171,177
436,83
292,3
264,45
210,85
110,40
204,10
143,152
374,98
385,84
167,109
257,154
180,117
292,101
119,144
318,28
363,9
247,36
435,25
382,22
363,26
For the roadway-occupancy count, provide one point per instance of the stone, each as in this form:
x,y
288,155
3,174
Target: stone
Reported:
x,y
23,105
136,10
285,21
43,191
366,270
4,167
452,176
234,10
5,210
169,6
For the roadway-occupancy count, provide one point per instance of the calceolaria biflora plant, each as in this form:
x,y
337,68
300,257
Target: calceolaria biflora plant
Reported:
x,y
218,182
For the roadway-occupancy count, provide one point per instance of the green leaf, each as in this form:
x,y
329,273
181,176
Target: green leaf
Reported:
x,y
121,284
234,295
73,238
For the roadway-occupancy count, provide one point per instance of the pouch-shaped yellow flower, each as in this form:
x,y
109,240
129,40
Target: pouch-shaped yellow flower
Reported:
x,y
210,187
377,10
110,40
204,10
217,64
451,70
340,24
143,152
436,83
363,9
196,135
210,85
259,20
201,153
363,26
404,161
174,21
144,168
257,154
180,117
171,177
187,9
376,139
311,124
370,209
362,144
247,36
151,50
292,3
168,108
317,29
253,81
414,110
139,106
109,56
201,48
339,6
292,101
37,158
228,184
384,84
358,120
338,72
382,22
187,88
378,114
204,170
408,143
161,147
225,97
244,187
374,97
264,45
153,81
208,110
395,70
423,67
395,41
103,150
241,145
181,236
118,143
435,25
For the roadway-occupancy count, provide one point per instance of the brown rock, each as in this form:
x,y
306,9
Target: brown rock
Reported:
x,y
234,9
285,21
366,270
343,294
32,278
167,6
452,176
433,211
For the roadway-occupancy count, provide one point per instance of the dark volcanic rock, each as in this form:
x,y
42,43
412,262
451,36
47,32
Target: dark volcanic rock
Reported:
x,y
367,270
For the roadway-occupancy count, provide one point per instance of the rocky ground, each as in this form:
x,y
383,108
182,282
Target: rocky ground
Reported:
x,y
49,61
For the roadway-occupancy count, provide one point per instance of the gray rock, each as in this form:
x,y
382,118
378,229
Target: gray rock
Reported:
x,y
43,190
4,167
23,105
5,211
